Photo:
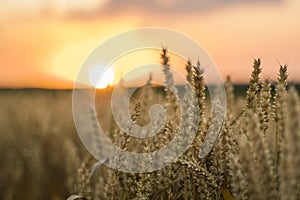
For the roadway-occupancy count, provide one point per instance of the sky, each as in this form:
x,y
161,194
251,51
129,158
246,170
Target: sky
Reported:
x,y
44,43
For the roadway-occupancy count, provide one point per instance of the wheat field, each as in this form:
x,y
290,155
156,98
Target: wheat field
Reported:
x,y
256,156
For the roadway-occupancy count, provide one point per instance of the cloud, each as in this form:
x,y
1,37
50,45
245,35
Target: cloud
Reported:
x,y
164,6
72,9
16,8
175,6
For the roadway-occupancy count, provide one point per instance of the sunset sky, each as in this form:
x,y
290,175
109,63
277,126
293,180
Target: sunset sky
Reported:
x,y
44,43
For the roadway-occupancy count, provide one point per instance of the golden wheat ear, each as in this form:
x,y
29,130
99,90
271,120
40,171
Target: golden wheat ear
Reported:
x,y
253,90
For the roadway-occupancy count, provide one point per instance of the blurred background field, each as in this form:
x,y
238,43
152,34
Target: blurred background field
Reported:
x,y
40,151
37,136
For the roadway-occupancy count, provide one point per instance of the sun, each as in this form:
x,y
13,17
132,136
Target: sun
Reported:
x,y
101,77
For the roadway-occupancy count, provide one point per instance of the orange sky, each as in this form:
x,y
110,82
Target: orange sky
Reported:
x,y
44,44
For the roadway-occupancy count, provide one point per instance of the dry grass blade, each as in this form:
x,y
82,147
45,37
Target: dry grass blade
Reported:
x,y
76,197
214,130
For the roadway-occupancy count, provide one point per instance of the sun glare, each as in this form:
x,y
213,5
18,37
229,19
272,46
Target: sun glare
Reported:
x,y
100,77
